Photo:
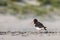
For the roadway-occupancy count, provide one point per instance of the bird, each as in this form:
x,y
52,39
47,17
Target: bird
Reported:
x,y
39,25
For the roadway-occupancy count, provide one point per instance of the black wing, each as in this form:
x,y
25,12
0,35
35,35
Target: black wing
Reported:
x,y
38,24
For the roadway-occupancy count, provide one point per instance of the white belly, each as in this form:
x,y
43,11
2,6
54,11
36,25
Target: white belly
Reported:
x,y
39,28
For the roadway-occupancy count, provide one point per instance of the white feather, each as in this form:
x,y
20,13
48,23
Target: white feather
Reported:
x,y
39,28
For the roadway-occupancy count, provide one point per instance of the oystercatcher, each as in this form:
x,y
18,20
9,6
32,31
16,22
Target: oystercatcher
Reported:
x,y
39,25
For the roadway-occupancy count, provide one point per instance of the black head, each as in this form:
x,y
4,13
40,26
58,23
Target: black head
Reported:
x,y
35,20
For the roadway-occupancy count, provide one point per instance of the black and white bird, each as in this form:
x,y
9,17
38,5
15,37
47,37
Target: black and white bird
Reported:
x,y
39,25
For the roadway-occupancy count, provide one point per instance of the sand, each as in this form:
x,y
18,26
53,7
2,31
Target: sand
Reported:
x,y
11,24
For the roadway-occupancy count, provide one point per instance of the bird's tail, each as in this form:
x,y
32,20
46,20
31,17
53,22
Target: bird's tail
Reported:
x,y
45,28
